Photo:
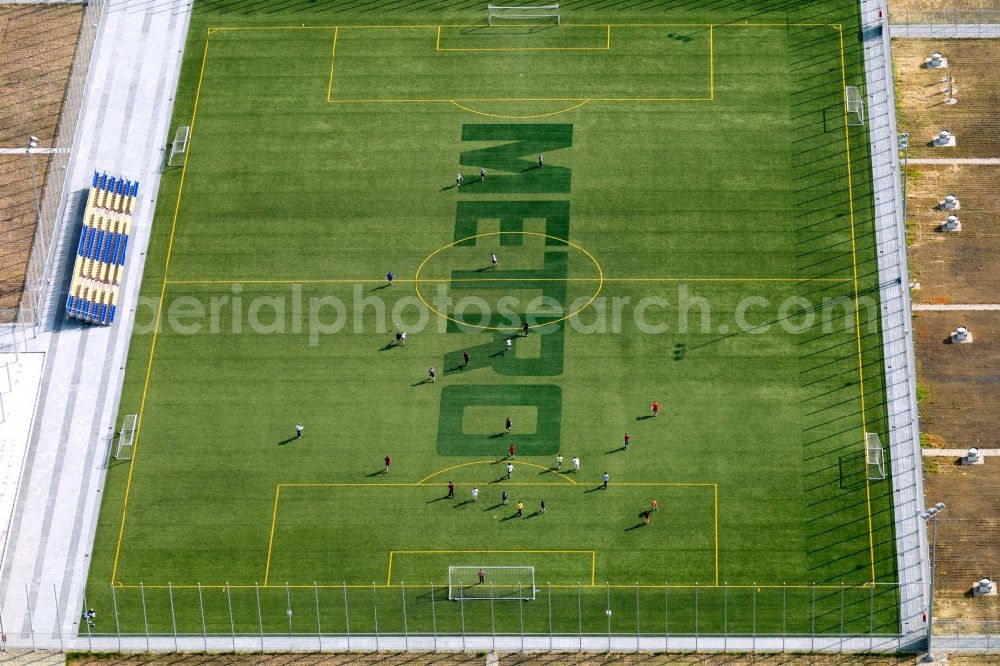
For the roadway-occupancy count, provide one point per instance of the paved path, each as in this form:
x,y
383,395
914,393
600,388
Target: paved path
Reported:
x,y
993,161
956,307
957,453
952,30
34,151
123,129
903,437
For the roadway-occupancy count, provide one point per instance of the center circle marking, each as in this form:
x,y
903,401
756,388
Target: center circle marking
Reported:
x,y
417,280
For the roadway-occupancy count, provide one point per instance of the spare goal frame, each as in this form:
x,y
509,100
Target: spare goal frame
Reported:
x,y
522,12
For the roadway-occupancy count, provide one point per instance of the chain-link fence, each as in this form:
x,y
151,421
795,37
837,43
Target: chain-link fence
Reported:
x,y
945,22
52,199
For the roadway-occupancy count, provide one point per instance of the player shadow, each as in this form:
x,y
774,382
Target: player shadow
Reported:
x,y
533,166
643,417
496,435
384,286
287,441
499,353
457,368
484,268
595,489
510,517
425,380
447,187
610,451
437,499
460,504
635,527
495,506
532,515
392,345
378,473
500,479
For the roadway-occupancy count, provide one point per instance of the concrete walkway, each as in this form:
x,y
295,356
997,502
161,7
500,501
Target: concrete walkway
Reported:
x,y
123,129
956,307
957,453
950,30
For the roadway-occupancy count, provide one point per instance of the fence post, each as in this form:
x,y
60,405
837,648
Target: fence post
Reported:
x,y
493,624
697,589
784,613
607,609
871,615
288,612
520,608
145,615
666,617
378,648
232,622
319,625
55,595
90,643
347,616
753,615
406,632
812,634
550,616
461,611
114,603
31,625
579,615
173,617
434,619
201,607
841,617
260,617
725,616
637,616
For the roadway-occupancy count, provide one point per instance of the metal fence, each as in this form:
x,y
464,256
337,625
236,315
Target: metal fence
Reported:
x,y
945,22
52,209
780,617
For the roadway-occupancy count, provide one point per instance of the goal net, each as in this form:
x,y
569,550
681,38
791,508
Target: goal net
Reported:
x,y
126,437
499,583
855,107
500,14
874,457
180,143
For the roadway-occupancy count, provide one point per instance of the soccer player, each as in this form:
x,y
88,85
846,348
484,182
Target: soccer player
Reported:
x,y
298,431
524,327
465,359
507,345
605,479
482,175
494,262
431,375
510,469
512,451
559,459
520,508
645,517
656,507
540,160
390,277
656,408
402,338
507,424
628,440
399,338
504,497
482,576
475,494
388,461
576,465
458,180
451,490
541,509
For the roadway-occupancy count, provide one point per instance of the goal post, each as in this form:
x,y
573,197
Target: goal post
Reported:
x,y
855,106
510,583
126,436
180,143
874,457
497,14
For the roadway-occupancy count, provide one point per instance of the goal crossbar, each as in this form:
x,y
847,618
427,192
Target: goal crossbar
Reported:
x,y
126,437
855,106
874,457
522,12
180,143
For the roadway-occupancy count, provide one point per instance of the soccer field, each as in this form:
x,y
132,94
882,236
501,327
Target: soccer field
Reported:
x,y
698,234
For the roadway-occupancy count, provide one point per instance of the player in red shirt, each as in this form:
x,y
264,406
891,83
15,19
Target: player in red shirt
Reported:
x,y
656,408
628,440
388,461
512,451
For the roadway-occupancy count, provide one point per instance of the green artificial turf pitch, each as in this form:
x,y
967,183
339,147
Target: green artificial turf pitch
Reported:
x,y
698,174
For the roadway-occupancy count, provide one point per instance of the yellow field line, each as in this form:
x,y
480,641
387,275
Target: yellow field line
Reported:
x,y
437,44
608,46
392,553
270,541
490,462
519,116
857,306
429,100
744,24
333,56
511,279
711,63
159,313
557,586
715,492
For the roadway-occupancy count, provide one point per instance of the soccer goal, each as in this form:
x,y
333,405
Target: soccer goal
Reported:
x,y
855,106
497,583
499,14
874,457
126,437
180,143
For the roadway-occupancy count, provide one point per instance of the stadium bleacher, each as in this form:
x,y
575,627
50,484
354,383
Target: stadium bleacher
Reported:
x,y
100,255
